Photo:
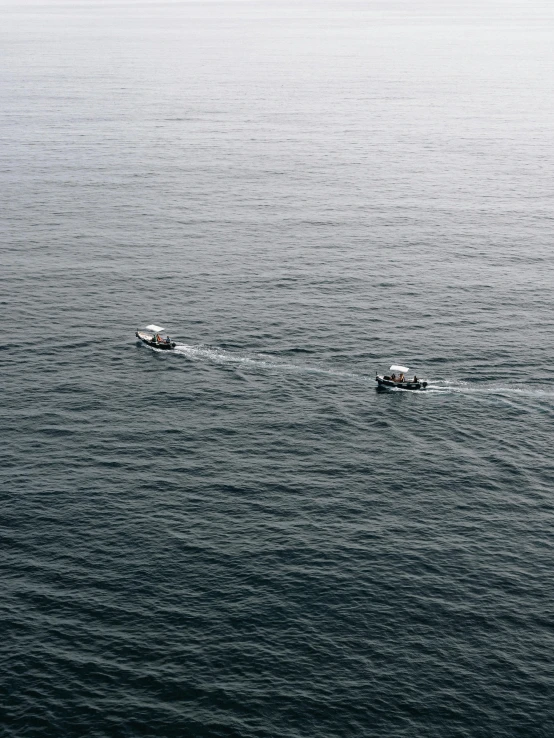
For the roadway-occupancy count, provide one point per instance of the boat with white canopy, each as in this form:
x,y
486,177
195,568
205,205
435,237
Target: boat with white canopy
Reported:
x,y
399,380
155,336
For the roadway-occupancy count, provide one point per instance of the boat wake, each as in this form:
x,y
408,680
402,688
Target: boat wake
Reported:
x,y
217,355
263,361
458,387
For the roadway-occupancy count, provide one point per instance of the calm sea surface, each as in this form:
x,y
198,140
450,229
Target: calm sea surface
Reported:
x,y
244,538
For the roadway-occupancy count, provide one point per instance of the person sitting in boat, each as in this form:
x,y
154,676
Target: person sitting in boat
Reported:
x,y
167,339
393,377
415,378
401,378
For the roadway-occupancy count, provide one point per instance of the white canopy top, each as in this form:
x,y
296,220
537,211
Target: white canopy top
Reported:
x,y
154,328
396,368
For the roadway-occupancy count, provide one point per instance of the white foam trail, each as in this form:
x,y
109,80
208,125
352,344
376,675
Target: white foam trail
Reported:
x,y
440,386
219,356
447,386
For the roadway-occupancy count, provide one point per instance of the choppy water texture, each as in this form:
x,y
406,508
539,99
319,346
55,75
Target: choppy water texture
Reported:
x,y
244,538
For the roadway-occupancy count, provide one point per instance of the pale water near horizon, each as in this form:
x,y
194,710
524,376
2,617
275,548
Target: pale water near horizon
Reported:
x,y
243,537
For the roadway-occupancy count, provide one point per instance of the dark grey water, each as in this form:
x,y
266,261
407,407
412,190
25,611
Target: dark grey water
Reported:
x,y
244,538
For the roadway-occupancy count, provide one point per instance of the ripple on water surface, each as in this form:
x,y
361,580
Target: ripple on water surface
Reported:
x,y
243,537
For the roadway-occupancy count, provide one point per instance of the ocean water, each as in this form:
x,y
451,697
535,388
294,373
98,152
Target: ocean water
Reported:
x,y
244,537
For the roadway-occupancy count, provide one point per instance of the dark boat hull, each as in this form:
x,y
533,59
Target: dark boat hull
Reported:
x,y
389,384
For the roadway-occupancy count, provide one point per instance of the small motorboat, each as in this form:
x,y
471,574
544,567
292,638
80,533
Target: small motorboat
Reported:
x,y
153,335
394,381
